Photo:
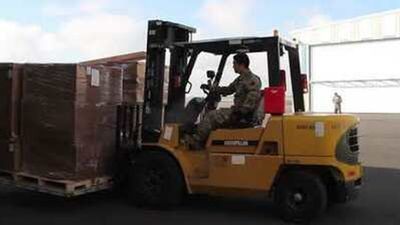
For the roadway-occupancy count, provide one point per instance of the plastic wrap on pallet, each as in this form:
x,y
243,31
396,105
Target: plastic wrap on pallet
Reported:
x,y
10,88
5,101
133,83
69,120
65,116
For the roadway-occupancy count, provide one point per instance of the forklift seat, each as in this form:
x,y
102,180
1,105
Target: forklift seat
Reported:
x,y
258,117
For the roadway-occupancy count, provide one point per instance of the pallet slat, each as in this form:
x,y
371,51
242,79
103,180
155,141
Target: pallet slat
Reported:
x,y
65,188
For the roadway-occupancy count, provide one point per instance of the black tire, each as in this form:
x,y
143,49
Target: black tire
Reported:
x,y
300,196
156,181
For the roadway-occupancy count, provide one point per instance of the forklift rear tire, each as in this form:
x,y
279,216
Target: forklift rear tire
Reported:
x,y
155,180
300,196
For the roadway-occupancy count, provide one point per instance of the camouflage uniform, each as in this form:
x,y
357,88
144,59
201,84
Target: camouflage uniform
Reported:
x,y
247,96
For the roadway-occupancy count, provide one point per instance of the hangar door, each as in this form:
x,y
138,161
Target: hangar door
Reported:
x,y
366,74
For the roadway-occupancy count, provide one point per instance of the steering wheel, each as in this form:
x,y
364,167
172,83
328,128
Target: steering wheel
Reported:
x,y
213,97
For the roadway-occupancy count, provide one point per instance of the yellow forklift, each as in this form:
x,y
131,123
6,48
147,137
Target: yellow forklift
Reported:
x,y
303,161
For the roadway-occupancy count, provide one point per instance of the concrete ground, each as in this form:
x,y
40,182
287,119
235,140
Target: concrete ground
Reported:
x,y
380,140
379,202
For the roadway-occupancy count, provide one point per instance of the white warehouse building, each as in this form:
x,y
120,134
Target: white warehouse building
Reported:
x,y
358,58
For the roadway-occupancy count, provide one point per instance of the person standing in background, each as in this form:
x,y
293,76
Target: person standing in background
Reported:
x,y
337,101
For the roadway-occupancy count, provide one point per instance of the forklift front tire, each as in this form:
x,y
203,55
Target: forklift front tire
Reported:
x,y
155,180
300,196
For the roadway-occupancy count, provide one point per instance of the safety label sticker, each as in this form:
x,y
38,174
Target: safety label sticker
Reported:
x,y
168,133
238,160
95,78
319,129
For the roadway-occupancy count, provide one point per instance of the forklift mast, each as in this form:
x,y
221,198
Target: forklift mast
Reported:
x,y
161,37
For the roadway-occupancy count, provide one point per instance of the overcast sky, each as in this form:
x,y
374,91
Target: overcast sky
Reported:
x,y
76,30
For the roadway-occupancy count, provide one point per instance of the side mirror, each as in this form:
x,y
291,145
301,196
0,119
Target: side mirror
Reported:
x,y
210,74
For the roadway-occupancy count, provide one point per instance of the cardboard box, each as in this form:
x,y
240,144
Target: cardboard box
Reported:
x,y
68,120
10,92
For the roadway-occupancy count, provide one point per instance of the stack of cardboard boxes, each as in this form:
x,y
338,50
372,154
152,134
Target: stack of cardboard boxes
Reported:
x,y
58,120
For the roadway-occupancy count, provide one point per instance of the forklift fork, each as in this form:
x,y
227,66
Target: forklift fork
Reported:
x,y
128,130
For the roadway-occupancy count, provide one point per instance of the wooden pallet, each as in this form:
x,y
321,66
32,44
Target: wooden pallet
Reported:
x,y
64,188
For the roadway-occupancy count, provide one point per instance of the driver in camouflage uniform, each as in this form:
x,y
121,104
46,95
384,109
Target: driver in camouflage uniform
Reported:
x,y
246,88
